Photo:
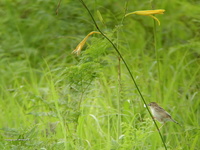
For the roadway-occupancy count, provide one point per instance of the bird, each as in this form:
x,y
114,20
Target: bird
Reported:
x,y
160,114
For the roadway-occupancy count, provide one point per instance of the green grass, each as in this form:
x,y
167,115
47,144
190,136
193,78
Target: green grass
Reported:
x,y
51,99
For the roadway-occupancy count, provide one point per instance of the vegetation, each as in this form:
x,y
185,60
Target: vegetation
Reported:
x,y
53,99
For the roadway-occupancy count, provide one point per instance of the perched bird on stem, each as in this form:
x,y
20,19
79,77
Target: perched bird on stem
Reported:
x,y
160,114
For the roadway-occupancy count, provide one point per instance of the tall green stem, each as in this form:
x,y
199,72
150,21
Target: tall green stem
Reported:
x,y
157,58
119,100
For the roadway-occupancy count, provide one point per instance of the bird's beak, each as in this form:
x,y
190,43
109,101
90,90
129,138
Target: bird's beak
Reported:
x,y
147,105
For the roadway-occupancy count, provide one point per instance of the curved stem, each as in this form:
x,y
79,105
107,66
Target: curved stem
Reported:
x,y
129,71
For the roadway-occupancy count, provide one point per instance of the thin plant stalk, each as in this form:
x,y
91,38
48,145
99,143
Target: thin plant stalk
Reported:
x,y
119,100
126,65
157,58
57,9
119,131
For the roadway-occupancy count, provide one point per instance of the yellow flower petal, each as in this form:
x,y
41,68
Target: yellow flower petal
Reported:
x,y
147,12
82,43
155,18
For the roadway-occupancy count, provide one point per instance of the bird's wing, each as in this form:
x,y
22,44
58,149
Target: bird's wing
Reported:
x,y
160,109
168,113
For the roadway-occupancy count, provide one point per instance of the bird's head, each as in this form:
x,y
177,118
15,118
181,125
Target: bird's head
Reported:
x,y
153,104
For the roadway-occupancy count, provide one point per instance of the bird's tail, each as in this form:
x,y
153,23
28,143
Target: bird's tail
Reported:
x,y
176,122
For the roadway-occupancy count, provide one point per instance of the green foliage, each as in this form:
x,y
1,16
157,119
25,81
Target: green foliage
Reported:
x,y
51,99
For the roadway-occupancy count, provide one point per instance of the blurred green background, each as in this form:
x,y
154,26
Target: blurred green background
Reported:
x,y
52,99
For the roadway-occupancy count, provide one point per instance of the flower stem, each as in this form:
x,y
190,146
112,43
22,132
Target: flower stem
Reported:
x,y
160,96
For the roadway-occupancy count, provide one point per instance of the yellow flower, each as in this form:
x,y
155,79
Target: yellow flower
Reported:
x,y
82,43
149,13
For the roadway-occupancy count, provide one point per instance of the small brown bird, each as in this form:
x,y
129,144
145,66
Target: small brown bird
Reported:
x,y
160,114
